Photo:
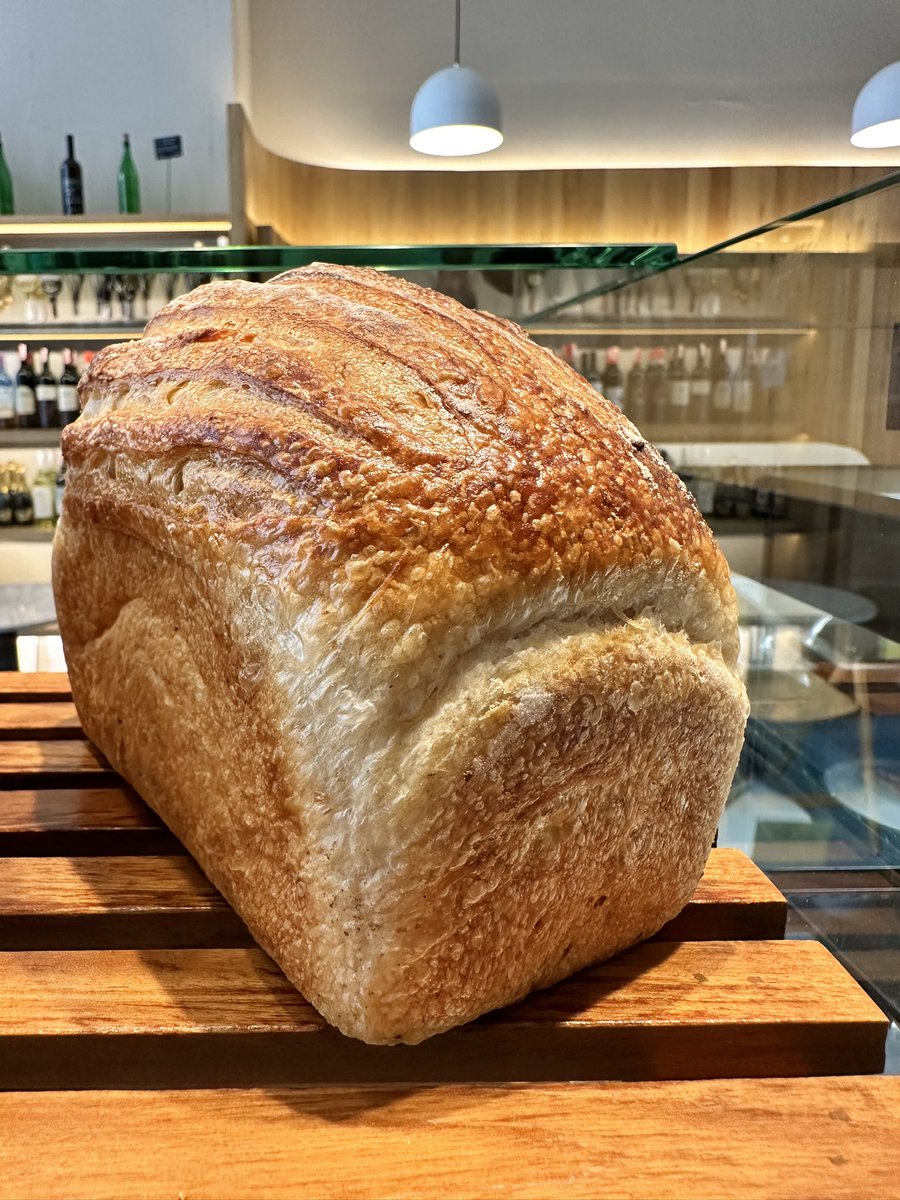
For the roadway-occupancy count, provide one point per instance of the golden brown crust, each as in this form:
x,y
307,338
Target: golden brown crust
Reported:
x,y
468,647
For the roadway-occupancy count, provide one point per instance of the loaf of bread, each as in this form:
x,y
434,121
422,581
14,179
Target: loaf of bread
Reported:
x,y
413,640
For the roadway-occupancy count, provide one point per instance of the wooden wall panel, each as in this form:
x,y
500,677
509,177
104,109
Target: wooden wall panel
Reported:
x,y
693,207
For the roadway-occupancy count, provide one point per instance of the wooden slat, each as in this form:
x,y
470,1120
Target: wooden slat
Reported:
x,y
797,1139
79,821
129,902
230,1018
123,901
45,719
38,685
53,764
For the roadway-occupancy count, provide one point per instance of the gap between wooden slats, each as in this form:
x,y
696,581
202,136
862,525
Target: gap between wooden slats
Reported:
x,y
798,1139
194,1018
134,902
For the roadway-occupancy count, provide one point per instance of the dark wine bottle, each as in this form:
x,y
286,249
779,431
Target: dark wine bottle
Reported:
x,y
635,389
67,405
26,400
70,179
6,187
7,399
129,186
46,391
612,380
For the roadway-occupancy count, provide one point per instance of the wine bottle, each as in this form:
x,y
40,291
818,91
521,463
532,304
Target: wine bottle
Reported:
x,y
26,400
6,511
679,385
67,406
745,383
46,392
635,389
20,497
59,490
657,392
721,378
701,386
129,186
591,374
70,179
42,491
612,381
6,187
7,399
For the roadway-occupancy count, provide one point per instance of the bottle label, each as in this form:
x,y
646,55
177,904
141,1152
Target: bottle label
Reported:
x,y
42,495
721,396
6,515
73,197
67,400
701,388
743,396
26,404
614,395
7,403
46,392
680,393
58,499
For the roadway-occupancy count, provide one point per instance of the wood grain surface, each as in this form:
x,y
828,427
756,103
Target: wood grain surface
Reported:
x,y
34,685
796,1139
230,1018
52,764
119,901
80,821
39,719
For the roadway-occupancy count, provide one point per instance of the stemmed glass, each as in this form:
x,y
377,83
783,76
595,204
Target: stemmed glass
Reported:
x,y
126,288
52,285
103,295
76,283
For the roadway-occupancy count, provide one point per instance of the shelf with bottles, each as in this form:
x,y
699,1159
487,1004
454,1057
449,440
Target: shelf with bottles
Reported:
x,y
39,394
31,494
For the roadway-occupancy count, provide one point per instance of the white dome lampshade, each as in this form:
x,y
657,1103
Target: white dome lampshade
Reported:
x,y
876,113
455,112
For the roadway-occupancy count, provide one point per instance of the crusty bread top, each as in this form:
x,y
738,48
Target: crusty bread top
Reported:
x,y
356,425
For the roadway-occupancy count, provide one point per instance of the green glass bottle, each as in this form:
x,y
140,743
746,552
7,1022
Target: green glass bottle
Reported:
x,y
129,187
6,191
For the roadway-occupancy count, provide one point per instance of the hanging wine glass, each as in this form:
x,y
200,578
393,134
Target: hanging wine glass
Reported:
x,y
171,287
52,285
76,283
103,295
6,292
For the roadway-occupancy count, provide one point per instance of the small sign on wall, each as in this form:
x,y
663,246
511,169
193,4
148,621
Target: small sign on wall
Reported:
x,y
168,147
893,404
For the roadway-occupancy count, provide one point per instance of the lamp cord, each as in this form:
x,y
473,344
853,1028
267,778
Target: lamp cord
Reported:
x,y
456,55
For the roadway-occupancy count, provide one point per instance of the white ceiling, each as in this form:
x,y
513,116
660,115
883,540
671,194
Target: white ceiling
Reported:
x,y
583,83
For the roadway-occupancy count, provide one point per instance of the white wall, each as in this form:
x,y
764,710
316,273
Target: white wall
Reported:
x,y
101,68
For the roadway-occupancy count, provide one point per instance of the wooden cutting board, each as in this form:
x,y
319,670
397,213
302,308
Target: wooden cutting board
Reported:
x,y
148,1048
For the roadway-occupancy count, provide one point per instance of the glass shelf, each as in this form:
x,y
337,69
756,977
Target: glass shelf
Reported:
x,y
240,260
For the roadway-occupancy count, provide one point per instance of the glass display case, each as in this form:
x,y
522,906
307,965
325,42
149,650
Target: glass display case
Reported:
x,y
768,370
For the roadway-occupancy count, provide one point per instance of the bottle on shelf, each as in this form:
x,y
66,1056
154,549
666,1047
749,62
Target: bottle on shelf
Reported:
x,y
744,387
67,405
7,399
129,186
679,386
26,398
7,204
20,496
612,381
47,393
6,511
704,483
589,370
657,385
71,181
700,387
721,378
42,491
635,389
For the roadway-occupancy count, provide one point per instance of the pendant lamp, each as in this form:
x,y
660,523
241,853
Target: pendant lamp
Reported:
x,y
876,113
455,112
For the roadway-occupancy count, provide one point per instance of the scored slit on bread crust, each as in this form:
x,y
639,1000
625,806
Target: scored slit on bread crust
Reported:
x,y
421,649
